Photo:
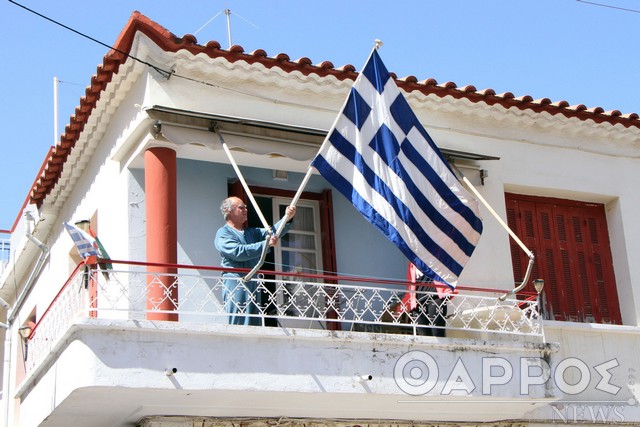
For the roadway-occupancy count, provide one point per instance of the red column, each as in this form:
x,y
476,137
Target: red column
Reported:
x,y
162,231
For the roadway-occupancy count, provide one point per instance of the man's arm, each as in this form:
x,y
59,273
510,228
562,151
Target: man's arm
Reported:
x,y
230,247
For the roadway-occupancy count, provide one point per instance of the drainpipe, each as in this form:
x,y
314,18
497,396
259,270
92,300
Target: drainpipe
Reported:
x,y
44,254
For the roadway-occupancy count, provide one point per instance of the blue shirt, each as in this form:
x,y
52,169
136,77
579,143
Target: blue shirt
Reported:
x,y
242,249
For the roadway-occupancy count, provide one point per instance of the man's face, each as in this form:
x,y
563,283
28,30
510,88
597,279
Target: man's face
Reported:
x,y
238,213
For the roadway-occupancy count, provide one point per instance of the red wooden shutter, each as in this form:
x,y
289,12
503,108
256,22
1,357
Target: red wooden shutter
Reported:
x,y
570,242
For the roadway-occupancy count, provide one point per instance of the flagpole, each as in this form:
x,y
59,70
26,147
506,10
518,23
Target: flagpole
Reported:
x,y
305,180
264,222
508,229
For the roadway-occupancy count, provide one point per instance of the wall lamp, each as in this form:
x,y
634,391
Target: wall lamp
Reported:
x,y
484,174
538,284
280,175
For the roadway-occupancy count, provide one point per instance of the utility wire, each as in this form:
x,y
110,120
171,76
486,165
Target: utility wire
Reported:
x,y
158,69
608,6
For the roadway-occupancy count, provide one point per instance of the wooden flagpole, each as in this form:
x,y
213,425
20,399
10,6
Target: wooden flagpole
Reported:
x,y
507,228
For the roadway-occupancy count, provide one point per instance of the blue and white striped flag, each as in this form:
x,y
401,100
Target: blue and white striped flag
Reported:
x,y
85,243
380,157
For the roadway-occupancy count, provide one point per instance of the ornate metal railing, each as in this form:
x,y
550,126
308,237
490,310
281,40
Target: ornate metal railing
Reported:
x,y
194,294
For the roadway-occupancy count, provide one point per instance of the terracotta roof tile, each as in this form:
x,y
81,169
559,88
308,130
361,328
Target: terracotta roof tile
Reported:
x,y
487,92
171,43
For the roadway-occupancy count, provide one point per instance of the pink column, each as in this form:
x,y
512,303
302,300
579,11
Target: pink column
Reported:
x,y
162,231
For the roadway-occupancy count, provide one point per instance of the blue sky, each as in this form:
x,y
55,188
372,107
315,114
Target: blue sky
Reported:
x,y
559,49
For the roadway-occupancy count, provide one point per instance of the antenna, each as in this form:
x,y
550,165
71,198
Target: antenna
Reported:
x,y
55,111
228,13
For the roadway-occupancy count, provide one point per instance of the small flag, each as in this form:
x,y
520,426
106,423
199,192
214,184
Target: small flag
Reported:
x,y
104,266
380,157
85,244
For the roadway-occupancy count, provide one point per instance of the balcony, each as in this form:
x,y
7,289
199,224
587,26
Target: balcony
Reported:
x,y
300,301
322,337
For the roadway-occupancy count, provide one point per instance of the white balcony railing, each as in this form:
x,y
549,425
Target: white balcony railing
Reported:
x,y
193,294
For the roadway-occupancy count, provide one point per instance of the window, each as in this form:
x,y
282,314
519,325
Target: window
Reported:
x,y
300,249
299,252
570,242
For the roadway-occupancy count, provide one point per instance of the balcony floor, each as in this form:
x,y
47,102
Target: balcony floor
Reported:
x,y
113,372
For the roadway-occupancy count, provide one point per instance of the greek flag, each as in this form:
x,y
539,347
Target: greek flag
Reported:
x,y
378,155
85,244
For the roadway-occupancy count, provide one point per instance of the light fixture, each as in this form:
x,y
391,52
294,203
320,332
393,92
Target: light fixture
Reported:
x,y
25,331
484,173
279,175
538,284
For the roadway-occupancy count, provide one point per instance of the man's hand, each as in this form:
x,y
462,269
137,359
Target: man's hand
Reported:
x,y
291,212
273,241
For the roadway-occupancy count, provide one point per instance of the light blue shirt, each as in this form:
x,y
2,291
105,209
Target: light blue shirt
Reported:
x,y
242,249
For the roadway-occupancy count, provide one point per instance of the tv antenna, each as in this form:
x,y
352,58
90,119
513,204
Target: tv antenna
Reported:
x,y
227,12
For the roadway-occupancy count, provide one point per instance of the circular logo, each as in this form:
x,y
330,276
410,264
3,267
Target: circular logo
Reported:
x,y
416,373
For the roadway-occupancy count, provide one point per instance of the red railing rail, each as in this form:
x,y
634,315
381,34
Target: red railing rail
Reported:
x,y
321,277
79,267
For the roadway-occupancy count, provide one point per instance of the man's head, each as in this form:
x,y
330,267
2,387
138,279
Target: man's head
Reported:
x,y
234,211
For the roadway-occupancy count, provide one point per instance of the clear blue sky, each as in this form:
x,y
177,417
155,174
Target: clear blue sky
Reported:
x,y
560,49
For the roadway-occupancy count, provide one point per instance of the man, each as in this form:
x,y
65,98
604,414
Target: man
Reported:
x,y
241,247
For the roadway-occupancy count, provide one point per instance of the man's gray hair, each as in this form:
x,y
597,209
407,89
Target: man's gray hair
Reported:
x,y
226,206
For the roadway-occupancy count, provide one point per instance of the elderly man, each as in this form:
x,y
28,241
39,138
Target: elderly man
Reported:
x,y
241,247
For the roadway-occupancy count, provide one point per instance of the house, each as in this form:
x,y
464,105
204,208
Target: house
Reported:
x,y
141,338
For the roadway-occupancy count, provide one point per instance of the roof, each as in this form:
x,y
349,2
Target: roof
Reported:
x,y
54,164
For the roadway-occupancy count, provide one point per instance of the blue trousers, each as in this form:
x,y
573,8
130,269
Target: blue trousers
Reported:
x,y
241,298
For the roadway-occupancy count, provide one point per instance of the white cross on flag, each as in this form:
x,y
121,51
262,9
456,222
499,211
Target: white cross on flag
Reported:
x,y
380,157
